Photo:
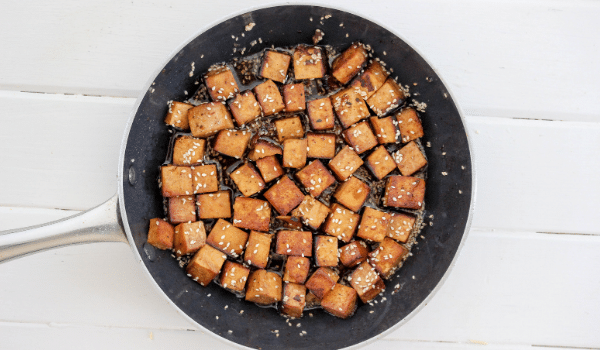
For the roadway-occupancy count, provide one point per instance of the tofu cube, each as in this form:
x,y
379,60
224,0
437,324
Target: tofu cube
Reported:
x,y
182,209
209,118
385,129
291,222
340,302
232,143
205,178
160,234
257,251
284,196
345,163
296,269
269,168
244,108
360,137
370,80
177,115
404,192
220,83
410,159
380,162
349,63
320,145
275,65
309,62
322,281
296,243
264,287
176,181
366,282
315,177
214,205
269,98
205,265
354,253
312,212
294,153
189,238
349,107
388,97
264,149
234,276
188,151
352,193
289,128
247,179
326,251
341,223
386,259
252,214
320,114
409,124
293,97
227,238
293,299
373,225
400,227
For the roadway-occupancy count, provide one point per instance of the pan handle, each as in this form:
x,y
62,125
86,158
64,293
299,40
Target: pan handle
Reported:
x,y
100,224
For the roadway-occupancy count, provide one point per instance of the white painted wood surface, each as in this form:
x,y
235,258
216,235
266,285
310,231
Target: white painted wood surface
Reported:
x,y
528,274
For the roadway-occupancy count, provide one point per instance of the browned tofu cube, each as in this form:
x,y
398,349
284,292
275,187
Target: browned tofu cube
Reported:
x,y
296,243
293,97
264,149
322,281
220,83
352,193
388,97
227,238
176,181
409,124
160,234
309,62
354,253
373,225
291,222
345,163
289,128
349,107
349,63
275,65
264,287
360,137
294,153
312,212
410,159
252,214
269,98
247,179
188,151
366,282
244,108
209,118
284,195
400,227
182,209
326,251
370,80
205,265
315,177
234,276
404,192
269,168
340,302
293,299
386,259
205,178
341,223
320,114
214,205
257,251
232,143
380,162
385,129
296,269
189,237
321,145
177,115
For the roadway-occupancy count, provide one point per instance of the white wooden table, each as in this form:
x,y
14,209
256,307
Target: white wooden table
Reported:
x,y
525,72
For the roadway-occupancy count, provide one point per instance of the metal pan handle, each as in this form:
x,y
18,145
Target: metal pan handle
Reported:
x,y
100,224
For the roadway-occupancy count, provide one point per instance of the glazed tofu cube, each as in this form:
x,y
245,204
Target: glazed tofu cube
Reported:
x,y
296,243
312,212
404,192
182,209
188,151
269,168
232,143
373,225
321,145
264,149
269,98
176,180
388,97
400,227
160,234
385,129
289,128
291,222
189,238
315,177
244,108
264,287
341,223
284,196
354,253
220,83
293,299
322,281
410,159
275,65
410,125
386,259
349,107
360,137
209,118
257,251
309,62
234,276
345,163
294,153
205,178
349,63
293,97
312,300
326,251
352,193
227,238
380,162
177,115
370,80
340,302
366,282
320,114
296,269
214,205
252,214
247,179
205,265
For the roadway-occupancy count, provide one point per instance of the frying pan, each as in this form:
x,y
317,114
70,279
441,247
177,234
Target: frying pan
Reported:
x,y
449,196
